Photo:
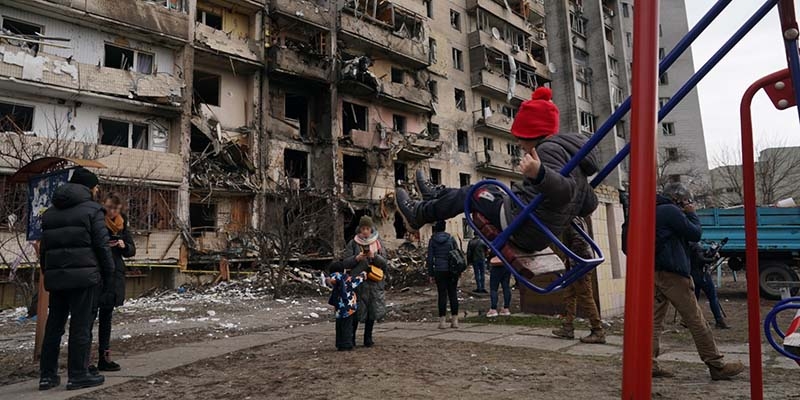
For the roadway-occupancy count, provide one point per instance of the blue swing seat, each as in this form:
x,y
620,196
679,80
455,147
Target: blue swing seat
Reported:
x,y
771,327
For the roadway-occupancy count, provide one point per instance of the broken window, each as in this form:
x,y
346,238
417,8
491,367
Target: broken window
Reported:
x,y
206,88
397,75
668,128
202,217
464,179
458,59
429,7
486,107
455,20
355,169
124,134
507,111
672,154
488,144
513,150
128,59
354,116
613,66
432,50
433,87
400,230
148,208
433,130
463,141
587,122
467,230
295,166
296,108
209,18
407,25
176,5
663,79
461,99
30,31
399,123
400,173
436,176
15,118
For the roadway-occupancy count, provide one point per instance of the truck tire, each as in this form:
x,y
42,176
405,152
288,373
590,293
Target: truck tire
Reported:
x,y
774,271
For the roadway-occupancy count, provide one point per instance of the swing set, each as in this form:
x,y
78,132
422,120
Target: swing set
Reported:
x,y
782,87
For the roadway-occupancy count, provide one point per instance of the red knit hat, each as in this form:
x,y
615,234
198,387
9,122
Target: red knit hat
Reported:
x,y
537,117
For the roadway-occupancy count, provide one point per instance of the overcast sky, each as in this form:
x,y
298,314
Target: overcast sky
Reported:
x,y
759,54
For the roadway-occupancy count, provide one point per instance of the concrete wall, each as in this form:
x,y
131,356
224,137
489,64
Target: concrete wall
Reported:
x,y
235,100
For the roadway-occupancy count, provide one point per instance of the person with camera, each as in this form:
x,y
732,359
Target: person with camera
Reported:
x,y
366,253
703,282
677,225
440,270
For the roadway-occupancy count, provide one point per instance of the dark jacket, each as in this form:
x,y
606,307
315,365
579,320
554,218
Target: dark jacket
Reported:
x,y
119,264
371,295
439,248
74,251
564,196
697,255
674,230
476,250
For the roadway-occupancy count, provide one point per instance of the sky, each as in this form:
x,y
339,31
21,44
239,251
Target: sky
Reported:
x,y
758,54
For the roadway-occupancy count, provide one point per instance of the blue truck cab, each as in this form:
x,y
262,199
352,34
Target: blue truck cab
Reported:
x,y
778,242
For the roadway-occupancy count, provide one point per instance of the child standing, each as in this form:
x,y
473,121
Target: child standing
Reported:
x,y
344,299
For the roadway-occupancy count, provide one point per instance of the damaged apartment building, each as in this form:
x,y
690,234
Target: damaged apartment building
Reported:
x,y
203,109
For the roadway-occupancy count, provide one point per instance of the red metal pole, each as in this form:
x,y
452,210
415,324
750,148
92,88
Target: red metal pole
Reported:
x,y
638,344
751,233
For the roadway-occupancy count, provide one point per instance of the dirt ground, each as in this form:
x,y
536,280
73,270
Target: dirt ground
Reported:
x,y
308,368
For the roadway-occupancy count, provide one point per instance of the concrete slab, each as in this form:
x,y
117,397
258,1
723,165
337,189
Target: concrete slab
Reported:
x,y
464,336
533,342
408,333
603,350
497,328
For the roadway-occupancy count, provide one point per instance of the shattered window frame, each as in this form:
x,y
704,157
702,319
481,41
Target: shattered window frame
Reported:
x,y
433,87
455,20
173,5
148,208
435,176
399,123
464,179
460,98
588,121
144,139
355,174
458,59
203,12
488,144
462,139
348,106
15,203
205,75
10,119
38,29
432,50
134,61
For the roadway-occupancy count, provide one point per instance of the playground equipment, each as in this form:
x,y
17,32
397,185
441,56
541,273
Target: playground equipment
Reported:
x,y
782,87
791,338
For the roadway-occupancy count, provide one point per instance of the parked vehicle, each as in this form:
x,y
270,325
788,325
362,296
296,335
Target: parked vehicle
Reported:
x,y
778,242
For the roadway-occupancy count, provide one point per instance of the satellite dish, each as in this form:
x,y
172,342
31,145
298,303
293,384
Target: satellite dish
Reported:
x,y
496,33
552,68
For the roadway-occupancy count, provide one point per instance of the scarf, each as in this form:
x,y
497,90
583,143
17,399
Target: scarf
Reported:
x,y
372,241
115,225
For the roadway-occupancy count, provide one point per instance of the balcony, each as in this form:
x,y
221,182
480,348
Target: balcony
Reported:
x,y
405,97
220,42
500,11
50,75
496,84
142,165
496,123
478,40
497,163
414,148
292,62
309,11
137,16
373,36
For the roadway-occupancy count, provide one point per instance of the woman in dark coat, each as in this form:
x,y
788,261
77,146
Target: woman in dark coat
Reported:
x,y
364,251
438,265
121,246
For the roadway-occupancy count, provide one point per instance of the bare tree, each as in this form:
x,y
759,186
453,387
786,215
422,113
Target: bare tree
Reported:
x,y
675,164
297,222
777,172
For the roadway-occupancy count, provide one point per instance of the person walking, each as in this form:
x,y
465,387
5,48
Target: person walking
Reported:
x,y
703,282
677,224
366,253
122,246
499,275
580,293
438,265
75,257
476,255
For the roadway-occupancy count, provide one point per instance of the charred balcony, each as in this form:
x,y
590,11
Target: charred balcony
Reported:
x,y
315,12
495,162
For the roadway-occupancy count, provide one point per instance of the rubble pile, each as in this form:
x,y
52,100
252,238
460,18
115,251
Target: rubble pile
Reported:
x,y
407,267
298,282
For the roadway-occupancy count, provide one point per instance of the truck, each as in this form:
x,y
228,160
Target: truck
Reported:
x,y
778,243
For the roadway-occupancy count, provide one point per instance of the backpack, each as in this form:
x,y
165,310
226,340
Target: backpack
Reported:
x,y
456,260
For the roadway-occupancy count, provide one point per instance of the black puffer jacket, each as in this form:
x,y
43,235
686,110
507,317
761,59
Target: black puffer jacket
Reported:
x,y
119,264
564,196
74,251
674,230
439,248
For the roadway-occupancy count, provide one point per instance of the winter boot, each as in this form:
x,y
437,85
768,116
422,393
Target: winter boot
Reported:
x,y
596,337
454,321
409,209
726,372
49,382
426,189
565,332
105,363
442,322
722,324
659,372
85,381
368,326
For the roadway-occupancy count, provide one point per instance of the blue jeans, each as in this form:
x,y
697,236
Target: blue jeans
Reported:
x,y
479,268
500,276
703,282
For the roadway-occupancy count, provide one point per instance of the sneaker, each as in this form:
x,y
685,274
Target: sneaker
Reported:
x,y
442,322
408,209
85,381
47,383
722,324
727,371
454,321
426,189
596,337
505,312
659,372
564,333
491,314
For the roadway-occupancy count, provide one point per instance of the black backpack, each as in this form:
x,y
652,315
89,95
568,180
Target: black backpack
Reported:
x,y
456,260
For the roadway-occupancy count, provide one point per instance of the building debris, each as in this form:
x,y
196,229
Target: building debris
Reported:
x,y
357,69
224,42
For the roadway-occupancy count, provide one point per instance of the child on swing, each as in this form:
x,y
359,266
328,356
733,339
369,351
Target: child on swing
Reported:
x,y
546,152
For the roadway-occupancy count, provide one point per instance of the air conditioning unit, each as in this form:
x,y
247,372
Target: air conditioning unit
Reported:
x,y
542,35
515,49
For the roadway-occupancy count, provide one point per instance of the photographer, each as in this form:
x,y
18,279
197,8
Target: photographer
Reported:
x,y
702,281
677,224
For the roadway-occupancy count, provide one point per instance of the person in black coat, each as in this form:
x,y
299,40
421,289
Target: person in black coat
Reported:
x,y
438,265
75,258
122,245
